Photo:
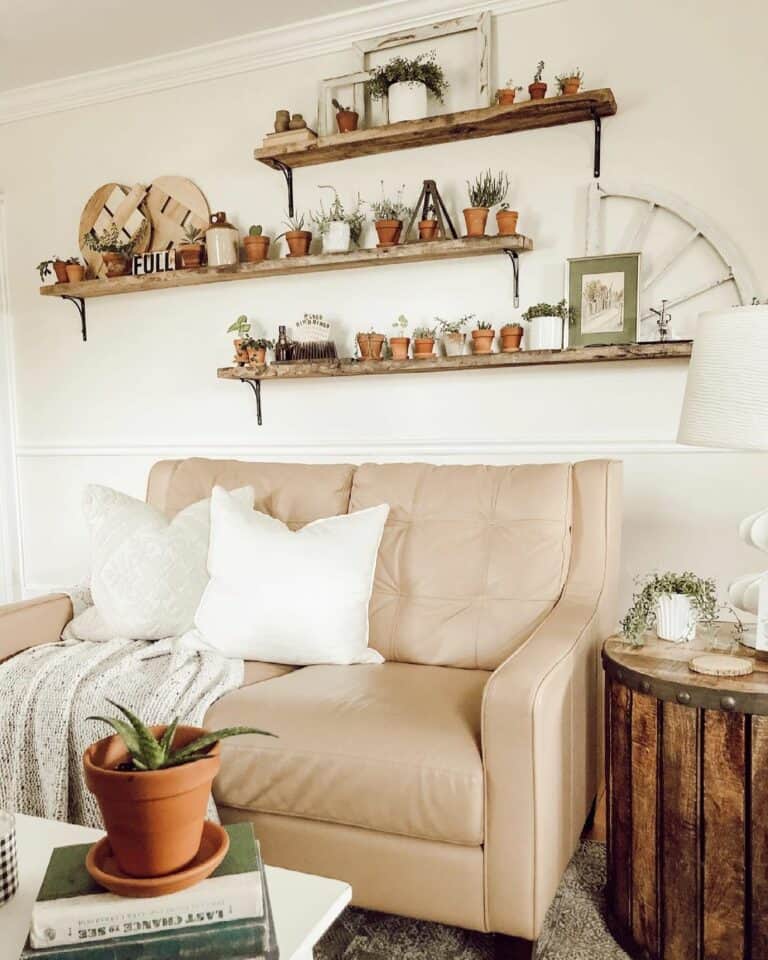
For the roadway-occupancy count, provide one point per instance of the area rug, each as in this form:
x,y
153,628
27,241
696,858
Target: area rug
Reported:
x,y
574,928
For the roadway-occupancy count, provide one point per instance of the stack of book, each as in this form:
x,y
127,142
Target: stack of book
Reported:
x,y
226,917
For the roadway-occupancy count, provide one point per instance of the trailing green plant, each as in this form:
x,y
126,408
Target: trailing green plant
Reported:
x,y
45,267
241,327
255,230
260,343
641,615
488,190
454,326
336,213
192,234
425,333
150,753
401,325
109,241
484,325
549,310
293,224
562,78
539,72
423,68
390,209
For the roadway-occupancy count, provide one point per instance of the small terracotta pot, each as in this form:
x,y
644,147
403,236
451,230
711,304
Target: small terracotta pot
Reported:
x,y
476,219
256,248
371,345
257,355
482,341
346,120
511,335
116,264
423,348
427,229
505,96
389,232
60,269
537,90
154,818
241,352
75,272
506,222
399,347
571,86
298,242
191,255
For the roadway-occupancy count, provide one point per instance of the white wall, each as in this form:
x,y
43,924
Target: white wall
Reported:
x,y
144,385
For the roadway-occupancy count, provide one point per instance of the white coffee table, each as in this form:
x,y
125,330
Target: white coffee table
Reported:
x,y
304,906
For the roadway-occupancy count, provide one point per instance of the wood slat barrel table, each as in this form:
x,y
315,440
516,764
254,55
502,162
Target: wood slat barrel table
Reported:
x,y
687,805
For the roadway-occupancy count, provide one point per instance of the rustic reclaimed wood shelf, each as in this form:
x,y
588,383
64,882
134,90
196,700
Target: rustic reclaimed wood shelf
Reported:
x,y
590,105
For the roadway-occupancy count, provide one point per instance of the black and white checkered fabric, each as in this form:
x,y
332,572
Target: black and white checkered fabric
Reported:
x,y
9,867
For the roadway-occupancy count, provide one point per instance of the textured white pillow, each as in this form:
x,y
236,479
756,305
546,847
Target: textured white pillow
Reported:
x,y
289,597
147,572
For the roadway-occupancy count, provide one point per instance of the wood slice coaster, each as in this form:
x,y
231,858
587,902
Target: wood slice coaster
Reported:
x,y
721,665
174,204
122,206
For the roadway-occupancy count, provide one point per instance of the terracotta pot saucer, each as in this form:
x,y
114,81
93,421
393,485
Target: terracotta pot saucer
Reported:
x,y
102,866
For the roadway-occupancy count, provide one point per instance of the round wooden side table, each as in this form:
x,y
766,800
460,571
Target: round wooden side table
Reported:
x,y
687,805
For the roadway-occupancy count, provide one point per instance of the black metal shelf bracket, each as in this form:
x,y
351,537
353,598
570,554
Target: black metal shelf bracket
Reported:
x,y
287,172
79,302
513,256
255,385
598,140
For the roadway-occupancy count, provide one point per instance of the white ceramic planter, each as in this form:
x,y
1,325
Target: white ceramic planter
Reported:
x,y
407,101
676,618
545,333
336,239
454,343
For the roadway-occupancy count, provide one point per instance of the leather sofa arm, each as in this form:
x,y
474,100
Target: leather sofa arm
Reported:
x,y
540,719
32,622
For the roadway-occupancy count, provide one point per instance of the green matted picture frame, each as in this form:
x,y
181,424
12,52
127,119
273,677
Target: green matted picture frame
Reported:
x,y
604,295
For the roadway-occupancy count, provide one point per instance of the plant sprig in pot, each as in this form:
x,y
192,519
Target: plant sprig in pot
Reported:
x,y
338,228
58,266
482,337
297,238
407,82
424,343
569,83
152,784
115,251
673,603
454,340
399,342
486,191
388,216
255,244
346,118
242,328
191,247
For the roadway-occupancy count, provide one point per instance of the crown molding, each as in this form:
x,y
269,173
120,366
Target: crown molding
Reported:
x,y
243,54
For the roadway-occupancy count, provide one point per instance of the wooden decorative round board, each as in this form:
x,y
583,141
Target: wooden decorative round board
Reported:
x,y
174,204
122,206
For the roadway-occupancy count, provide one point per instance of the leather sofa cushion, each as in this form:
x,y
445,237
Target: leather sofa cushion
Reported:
x,y
393,748
472,559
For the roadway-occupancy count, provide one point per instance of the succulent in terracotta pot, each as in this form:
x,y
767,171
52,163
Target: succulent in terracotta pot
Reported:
x,y
191,248
257,350
297,238
569,83
75,270
388,216
399,343
511,336
486,191
346,118
453,337
115,252
482,337
370,345
255,244
424,343
242,328
506,95
152,785
506,221
58,266
538,89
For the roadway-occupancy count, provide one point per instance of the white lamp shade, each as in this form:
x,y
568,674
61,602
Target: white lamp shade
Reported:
x,y
726,397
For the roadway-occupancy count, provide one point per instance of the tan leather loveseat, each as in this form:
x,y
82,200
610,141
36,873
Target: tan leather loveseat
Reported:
x,y
452,782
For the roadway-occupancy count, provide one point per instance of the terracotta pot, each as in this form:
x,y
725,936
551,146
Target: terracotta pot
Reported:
x,y
482,341
153,818
506,222
256,248
60,269
371,345
191,255
476,219
511,335
571,86
75,272
427,229
389,232
346,120
399,347
298,242
257,355
116,264
423,347
241,352
537,90
505,96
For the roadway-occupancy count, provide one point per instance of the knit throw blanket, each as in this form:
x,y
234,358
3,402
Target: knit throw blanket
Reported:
x,y
48,692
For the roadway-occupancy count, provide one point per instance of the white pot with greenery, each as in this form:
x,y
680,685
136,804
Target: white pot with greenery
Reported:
x,y
407,83
547,325
673,603
453,338
338,228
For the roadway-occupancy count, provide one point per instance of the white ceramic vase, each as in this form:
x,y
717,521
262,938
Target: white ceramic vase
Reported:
x,y
336,238
407,101
453,344
676,618
545,333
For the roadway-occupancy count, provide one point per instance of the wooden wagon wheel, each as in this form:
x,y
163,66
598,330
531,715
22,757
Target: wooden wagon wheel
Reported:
x,y
174,204
122,206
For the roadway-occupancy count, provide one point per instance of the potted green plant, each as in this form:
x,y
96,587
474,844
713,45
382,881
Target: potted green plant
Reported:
x,y
399,344
424,342
297,238
407,82
388,216
75,270
58,266
454,340
547,323
569,83
242,328
506,220
486,191
256,350
538,89
190,249
506,95
370,345
152,785
337,227
346,118
482,337
428,224
672,602
115,252
255,244
511,336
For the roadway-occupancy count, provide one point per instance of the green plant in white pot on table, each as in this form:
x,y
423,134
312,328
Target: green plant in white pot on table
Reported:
x,y
674,603
407,82
453,338
338,228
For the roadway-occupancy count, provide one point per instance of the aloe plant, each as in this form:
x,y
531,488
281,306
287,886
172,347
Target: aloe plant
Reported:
x,y
150,753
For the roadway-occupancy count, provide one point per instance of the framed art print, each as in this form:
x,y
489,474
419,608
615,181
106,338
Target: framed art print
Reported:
x,y
604,296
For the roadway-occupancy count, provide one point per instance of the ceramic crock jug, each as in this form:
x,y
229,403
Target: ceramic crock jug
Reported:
x,y
222,242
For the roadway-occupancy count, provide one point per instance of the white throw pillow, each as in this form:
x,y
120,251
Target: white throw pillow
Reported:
x,y
284,596
147,572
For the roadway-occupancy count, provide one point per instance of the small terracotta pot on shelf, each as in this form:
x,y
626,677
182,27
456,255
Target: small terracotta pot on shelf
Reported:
x,y
506,96
511,335
537,90
116,264
60,269
256,248
506,222
476,218
153,818
298,242
257,355
370,345
347,120
241,350
399,346
571,86
388,232
75,272
423,348
190,255
427,229
482,341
